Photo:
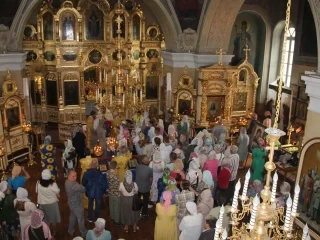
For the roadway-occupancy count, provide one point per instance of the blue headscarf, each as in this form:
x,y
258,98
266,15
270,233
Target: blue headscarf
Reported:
x,y
207,178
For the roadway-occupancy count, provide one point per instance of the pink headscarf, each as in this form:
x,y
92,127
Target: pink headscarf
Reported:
x,y
167,196
36,222
193,155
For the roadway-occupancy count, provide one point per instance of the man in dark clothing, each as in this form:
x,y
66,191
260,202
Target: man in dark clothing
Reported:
x,y
209,229
253,123
144,176
96,185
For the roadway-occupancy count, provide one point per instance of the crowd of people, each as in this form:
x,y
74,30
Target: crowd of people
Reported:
x,y
186,179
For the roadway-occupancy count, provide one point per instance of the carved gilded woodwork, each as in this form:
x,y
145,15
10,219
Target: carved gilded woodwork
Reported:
x,y
184,95
227,91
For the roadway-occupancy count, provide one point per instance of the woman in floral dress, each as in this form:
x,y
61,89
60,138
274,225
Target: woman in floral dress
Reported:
x,y
47,157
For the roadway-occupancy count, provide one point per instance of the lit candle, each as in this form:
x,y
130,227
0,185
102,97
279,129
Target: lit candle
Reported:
x,y
305,232
235,197
256,202
274,187
295,200
224,234
245,187
287,220
217,231
100,75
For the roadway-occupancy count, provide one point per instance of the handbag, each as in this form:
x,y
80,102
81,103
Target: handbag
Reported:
x,y
136,203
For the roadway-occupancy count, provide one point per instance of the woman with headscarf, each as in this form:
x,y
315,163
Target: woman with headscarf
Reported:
x,y
9,218
202,156
48,199
208,145
37,229
127,189
205,200
99,232
48,160
24,207
184,127
212,165
172,187
219,148
191,225
258,160
68,157
157,166
194,174
163,182
172,134
165,226
16,180
79,141
243,143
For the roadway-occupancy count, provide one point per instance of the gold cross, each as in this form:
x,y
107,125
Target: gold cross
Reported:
x,y
33,56
119,21
220,52
246,50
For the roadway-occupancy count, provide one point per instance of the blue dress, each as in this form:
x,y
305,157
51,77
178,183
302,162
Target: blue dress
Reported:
x,y
48,160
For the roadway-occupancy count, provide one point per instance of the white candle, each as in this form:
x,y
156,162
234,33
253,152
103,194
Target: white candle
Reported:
x,y
221,213
305,232
217,231
127,78
110,99
123,99
100,98
295,200
141,95
308,237
111,72
245,187
107,59
235,197
256,202
106,76
134,98
274,187
224,234
100,75
287,220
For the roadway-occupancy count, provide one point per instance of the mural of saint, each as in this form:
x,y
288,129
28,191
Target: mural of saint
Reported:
x,y
68,29
184,107
152,87
242,39
47,26
213,109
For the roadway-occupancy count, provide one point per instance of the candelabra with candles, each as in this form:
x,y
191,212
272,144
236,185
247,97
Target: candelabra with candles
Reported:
x,y
97,149
112,143
267,220
4,176
122,84
27,128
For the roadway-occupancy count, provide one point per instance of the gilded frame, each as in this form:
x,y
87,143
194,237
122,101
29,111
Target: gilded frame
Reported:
x,y
310,147
151,35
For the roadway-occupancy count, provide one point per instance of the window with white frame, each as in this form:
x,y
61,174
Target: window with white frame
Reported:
x,y
289,56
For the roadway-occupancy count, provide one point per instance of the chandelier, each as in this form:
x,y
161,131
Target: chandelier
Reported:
x,y
267,220
121,89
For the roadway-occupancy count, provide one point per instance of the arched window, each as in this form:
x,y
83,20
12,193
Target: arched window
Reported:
x,y
289,56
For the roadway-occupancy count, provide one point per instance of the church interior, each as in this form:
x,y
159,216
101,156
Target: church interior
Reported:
x,y
213,62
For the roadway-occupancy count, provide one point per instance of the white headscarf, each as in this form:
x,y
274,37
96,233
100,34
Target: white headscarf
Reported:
x,y
192,208
171,129
69,146
160,123
100,224
136,138
3,189
22,194
128,176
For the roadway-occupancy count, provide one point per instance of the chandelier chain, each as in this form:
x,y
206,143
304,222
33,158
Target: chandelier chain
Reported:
x,y
283,58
